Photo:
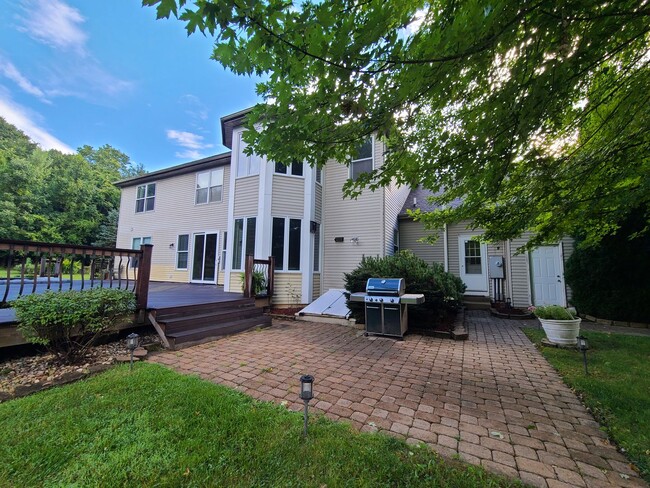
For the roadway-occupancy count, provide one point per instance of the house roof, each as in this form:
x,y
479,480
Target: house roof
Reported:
x,y
181,169
229,122
421,196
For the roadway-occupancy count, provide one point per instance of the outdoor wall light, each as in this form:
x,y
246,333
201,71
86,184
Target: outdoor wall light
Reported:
x,y
132,341
306,394
171,246
583,346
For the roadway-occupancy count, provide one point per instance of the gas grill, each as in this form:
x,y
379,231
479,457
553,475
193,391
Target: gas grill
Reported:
x,y
386,306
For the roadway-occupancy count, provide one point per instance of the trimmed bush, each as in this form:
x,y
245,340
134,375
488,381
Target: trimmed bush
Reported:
x,y
68,322
610,281
442,290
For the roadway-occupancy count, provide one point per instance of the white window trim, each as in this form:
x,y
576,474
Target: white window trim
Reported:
x,y
288,173
372,166
244,237
285,249
144,209
189,235
209,171
249,160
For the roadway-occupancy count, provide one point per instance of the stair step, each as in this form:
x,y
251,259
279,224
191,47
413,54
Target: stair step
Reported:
x,y
209,332
218,317
185,310
472,302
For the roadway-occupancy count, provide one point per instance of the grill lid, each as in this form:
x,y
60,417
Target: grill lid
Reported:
x,y
385,286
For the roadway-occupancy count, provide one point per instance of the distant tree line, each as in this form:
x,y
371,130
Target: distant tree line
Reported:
x,y
55,197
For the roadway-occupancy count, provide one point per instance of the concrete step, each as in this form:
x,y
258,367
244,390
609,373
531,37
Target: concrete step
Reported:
x,y
476,302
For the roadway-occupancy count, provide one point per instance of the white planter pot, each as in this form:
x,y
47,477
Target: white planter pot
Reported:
x,y
563,332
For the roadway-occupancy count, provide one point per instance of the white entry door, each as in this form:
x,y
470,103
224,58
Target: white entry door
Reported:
x,y
547,276
473,265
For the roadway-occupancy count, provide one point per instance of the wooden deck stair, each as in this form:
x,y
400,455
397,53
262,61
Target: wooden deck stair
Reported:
x,y
188,325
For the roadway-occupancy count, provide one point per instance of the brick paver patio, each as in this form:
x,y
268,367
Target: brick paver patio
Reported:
x,y
493,399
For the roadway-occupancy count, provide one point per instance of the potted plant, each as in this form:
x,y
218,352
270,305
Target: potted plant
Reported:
x,y
560,324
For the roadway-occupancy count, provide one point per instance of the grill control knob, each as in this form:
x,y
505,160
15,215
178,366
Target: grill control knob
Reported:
x,y
370,299
392,300
381,299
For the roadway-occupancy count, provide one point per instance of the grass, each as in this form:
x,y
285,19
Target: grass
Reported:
x,y
154,427
617,388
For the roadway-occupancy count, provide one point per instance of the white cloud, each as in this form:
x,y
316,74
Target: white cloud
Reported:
x,y
194,107
20,117
192,143
10,71
54,23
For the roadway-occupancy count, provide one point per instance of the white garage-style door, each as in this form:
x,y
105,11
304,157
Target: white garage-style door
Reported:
x,y
547,276
473,265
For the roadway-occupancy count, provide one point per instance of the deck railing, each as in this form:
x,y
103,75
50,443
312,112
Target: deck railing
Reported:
x,y
256,269
34,267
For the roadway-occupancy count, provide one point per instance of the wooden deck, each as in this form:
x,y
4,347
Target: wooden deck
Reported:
x,y
162,296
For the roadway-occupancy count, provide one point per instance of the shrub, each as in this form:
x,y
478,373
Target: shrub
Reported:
x,y
552,312
68,322
442,291
610,281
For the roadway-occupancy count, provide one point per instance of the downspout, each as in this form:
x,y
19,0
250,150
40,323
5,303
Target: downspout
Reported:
x,y
445,248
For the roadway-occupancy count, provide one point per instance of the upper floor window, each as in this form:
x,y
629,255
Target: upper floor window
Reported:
x,y
362,160
209,186
294,168
145,198
246,165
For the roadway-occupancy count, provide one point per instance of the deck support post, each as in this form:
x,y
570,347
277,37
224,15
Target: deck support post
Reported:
x,y
144,273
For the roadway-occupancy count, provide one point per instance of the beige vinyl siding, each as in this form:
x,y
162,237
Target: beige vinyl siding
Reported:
x,y
287,289
235,282
316,286
568,246
348,218
453,232
409,234
174,213
395,196
520,272
288,197
246,196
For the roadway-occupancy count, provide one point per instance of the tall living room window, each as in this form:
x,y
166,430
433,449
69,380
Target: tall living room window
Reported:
x,y
243,241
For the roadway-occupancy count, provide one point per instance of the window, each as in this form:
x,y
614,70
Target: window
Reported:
x,y
182,251
145,198
362,161
317,250
473,257
395,241
209,186
243,234
294,168
246,165
223,251
137,242
285,243
319,175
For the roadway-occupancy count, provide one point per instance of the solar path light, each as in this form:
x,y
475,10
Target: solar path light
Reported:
x,y
582,346
306,394
132,341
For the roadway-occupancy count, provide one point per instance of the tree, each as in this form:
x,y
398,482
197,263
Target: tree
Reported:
x,y
535,113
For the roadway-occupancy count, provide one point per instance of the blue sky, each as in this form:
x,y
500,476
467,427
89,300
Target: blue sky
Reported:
x,y
76,72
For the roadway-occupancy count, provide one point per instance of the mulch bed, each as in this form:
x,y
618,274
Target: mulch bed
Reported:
x,y
27,374
502,310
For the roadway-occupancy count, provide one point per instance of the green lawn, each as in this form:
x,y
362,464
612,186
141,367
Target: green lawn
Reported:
x,y
154,427
617,388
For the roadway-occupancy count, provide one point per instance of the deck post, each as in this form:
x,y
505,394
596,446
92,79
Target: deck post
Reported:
x,y
144,273
269,286
248,276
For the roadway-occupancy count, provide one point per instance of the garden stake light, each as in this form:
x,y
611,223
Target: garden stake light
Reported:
x,y
583,345
131,344
306,394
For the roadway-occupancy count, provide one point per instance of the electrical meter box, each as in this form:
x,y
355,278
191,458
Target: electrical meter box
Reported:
x,y
496,268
